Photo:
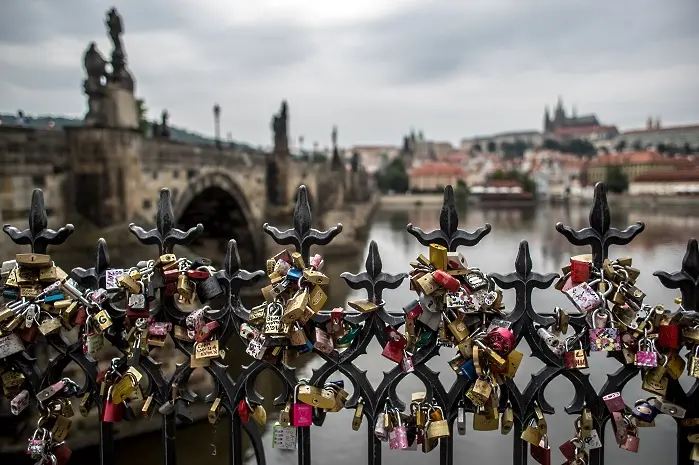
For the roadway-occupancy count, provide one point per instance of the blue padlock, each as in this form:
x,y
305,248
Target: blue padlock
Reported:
x,y
468,369
645,410
294,274
53,298
307,347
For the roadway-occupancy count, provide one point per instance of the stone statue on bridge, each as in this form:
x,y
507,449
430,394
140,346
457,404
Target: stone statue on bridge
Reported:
x,y
336,163
120,74
96,69
280,128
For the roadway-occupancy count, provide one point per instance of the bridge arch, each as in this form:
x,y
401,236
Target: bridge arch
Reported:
x,y
217,201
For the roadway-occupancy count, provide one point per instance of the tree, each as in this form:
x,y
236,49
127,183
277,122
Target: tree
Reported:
x,y
461,193
687,148
551,144
394,177
616,180
142,112
476,148
528,184
662,148
637,145
620,146
491,147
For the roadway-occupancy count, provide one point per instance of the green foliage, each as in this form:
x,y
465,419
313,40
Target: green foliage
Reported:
x,y
616,180
491,147
514,149
637,145
394,177
142,111
577,147
528,184
620,146
461,193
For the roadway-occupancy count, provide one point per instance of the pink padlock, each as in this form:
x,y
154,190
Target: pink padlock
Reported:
x,y
501,340
206,331
317,262
631,443
159,328
323,342
398,436
614,402
620,430
301,414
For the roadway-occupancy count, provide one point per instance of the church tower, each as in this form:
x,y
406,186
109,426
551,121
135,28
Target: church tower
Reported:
x,y
547,121
560,115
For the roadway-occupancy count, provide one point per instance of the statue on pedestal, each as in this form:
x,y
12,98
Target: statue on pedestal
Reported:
x,y
279,127
115,29
336,163
95,67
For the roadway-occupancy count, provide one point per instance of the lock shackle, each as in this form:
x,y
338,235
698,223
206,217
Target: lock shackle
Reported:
x,y
396,412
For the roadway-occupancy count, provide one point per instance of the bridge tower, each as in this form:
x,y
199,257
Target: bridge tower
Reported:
x,y
104,153
278,161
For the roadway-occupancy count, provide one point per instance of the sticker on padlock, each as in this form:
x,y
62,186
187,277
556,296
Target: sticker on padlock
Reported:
x,y
398,436
603,338
614,402
284,437
646,356
584,297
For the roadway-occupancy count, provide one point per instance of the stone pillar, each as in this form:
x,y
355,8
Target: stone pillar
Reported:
x,y
105,173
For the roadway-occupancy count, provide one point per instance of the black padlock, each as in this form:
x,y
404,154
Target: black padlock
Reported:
x,y
157,281
183,412
198,262
128,414
209,289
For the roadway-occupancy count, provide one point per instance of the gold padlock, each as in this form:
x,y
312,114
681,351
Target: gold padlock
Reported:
x,y
33,260
185,288
104,321
166,261
480,391
540,419
586,423
483,420
358,416
285,415
127,282
50,326
427,284
259,414
86,404
363,306
47,274
438,427
60,428
438,256
315,396
315,277
655,386
458,328
295,307
317,298
507,421
531,434
297,260
514,359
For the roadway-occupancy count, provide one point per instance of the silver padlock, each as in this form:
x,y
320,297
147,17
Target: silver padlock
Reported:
x,y
19,402
256,348
379,429
284,437
669,408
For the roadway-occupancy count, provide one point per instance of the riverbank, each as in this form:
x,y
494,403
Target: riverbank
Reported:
x,y
389,202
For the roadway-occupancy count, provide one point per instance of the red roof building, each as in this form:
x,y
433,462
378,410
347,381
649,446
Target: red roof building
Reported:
x,y
434,176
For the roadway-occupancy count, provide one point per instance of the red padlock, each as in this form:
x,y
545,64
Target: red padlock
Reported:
x,y
171,288
197,274
446,280
170,276
579,270
393,351
669,336
62,454
81,316
542,452
501,340
113,413
28,334
413,309
244,411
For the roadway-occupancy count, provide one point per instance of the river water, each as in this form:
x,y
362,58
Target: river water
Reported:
x,y
660,247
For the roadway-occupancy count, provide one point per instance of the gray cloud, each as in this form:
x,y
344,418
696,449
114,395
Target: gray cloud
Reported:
x,y
453,68
437,39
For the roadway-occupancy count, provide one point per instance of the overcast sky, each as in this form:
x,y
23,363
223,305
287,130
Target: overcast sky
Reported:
x,y
376,68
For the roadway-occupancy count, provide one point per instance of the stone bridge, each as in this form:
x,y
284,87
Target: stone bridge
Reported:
x,y
113,177
109,172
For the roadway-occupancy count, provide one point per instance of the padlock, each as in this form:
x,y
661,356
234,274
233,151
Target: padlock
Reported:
x,y
19,402
484,420
645,410
295,307
541,452
646,356
37,444
631,441
603,338
507,420
273,320
456,261
358,415
208,288
692,366
323,342
406,364
580,266
112,413
550,339
380,429
457,327
669,336
438,426
480,391
501,340
316,397
655,385
584,297
398,435
284,437
461,418
575,359
667,407
531,434
393,350
614,402
427,284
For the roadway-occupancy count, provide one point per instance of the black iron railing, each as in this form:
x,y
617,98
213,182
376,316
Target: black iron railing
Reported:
x,y
231,313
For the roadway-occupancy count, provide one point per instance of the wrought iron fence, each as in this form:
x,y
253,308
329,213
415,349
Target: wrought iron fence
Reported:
x,y
231,314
